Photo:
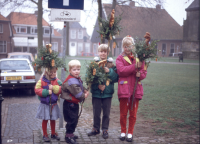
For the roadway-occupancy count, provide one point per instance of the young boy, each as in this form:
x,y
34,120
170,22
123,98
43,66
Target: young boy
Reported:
x,y
102,94
74,92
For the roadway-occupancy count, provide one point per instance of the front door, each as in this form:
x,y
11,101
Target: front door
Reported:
x,y
72,49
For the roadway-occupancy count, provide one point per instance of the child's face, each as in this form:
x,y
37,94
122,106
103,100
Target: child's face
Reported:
x,y
103,55
52,73
127,48
75,71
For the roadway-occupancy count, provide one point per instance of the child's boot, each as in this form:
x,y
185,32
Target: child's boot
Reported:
x,y
105,134
93,132
46,138
55,136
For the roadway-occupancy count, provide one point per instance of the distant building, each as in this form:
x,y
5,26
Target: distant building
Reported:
x,y
136,21
24,26
79,40
191,31
6,35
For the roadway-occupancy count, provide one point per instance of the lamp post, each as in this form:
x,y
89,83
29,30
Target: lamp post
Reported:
x,y
1,99
50,26
50,32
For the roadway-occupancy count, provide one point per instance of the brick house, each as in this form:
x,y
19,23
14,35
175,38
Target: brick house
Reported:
x,y
24,26
190,44
136,21
79,40
6,35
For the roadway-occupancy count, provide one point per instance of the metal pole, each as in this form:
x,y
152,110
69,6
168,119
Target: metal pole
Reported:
x,y
63,73
1,99
50,33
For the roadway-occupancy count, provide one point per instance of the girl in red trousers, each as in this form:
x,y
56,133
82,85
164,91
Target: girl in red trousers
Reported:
x,y
128,68
48,86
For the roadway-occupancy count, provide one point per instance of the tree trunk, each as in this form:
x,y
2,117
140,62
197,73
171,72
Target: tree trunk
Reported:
x,y
100,15
39,24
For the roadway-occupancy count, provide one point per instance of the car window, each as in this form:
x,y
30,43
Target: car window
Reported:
x,y
15,65
21,56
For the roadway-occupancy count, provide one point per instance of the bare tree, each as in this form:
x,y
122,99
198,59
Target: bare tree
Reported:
x,y
12,5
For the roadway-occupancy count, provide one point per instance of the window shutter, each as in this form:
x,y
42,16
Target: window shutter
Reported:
x,y
28,30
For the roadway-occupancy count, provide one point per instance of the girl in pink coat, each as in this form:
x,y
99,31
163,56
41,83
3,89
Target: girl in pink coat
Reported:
x,y
128,68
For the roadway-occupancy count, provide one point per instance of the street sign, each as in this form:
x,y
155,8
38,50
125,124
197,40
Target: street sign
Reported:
x,y
61,15
66,4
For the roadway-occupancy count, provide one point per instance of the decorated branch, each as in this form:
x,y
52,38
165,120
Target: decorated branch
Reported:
x,y
95,74
47,58
144,50
110,28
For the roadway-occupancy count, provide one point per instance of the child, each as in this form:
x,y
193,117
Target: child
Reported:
x,y
102,94
73,92
48,89
127,70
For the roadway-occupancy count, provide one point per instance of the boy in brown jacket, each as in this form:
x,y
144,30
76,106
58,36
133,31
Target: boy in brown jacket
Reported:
x,y
73,92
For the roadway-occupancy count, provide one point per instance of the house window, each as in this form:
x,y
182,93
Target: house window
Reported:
x,y
87,47
163,49
3,47
80,48
1,28
172,48
73,34
80,34
95,48
21,29
17,49
54,46
46,31
34,30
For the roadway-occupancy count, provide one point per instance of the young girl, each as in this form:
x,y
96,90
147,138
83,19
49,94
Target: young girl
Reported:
x,y
128,68
48,89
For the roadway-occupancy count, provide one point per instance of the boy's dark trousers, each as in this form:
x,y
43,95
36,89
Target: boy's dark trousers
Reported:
x,y
98,104
70,113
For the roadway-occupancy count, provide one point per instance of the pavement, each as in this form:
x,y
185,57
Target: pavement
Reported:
x,y
19,125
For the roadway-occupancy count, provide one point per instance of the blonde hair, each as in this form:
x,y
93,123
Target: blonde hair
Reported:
x,y
128,40
74,63
104,47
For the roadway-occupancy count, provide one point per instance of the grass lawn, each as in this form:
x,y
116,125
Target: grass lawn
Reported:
x,y
171,96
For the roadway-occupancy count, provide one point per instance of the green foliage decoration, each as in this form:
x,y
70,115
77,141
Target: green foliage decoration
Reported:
x,y
99,78
108,32
145,52
45,58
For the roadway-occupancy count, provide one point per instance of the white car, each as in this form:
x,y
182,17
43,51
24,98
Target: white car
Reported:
x,y
17,73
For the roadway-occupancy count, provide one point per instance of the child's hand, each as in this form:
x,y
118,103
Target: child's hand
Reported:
x,y
138,65
138,74
106,69
50,87
85,91
86,94
50,92
102,87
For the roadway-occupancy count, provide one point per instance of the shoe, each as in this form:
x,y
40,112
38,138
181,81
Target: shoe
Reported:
x,y
70,140
122,138
55,136
105,134
46,138
129,139
93,132
75,136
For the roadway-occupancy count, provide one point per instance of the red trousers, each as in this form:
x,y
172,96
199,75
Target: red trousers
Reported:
x,y
44,126
124,107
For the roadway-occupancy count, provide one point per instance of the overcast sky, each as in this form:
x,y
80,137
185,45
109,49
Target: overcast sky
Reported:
x,y
176,8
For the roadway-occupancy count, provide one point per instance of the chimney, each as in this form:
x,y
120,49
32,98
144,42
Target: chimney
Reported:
x,y
132,3
36,13
158,6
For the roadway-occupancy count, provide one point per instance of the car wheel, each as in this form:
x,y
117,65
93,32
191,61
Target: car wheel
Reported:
x,y
32,91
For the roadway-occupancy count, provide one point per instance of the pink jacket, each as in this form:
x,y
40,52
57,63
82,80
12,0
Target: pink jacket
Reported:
x,y
127,76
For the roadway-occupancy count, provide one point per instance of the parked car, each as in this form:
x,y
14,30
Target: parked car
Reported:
x,y
17,74
21,55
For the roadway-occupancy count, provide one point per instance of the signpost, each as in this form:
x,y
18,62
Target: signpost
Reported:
x,y
66,4
62,15
65,11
